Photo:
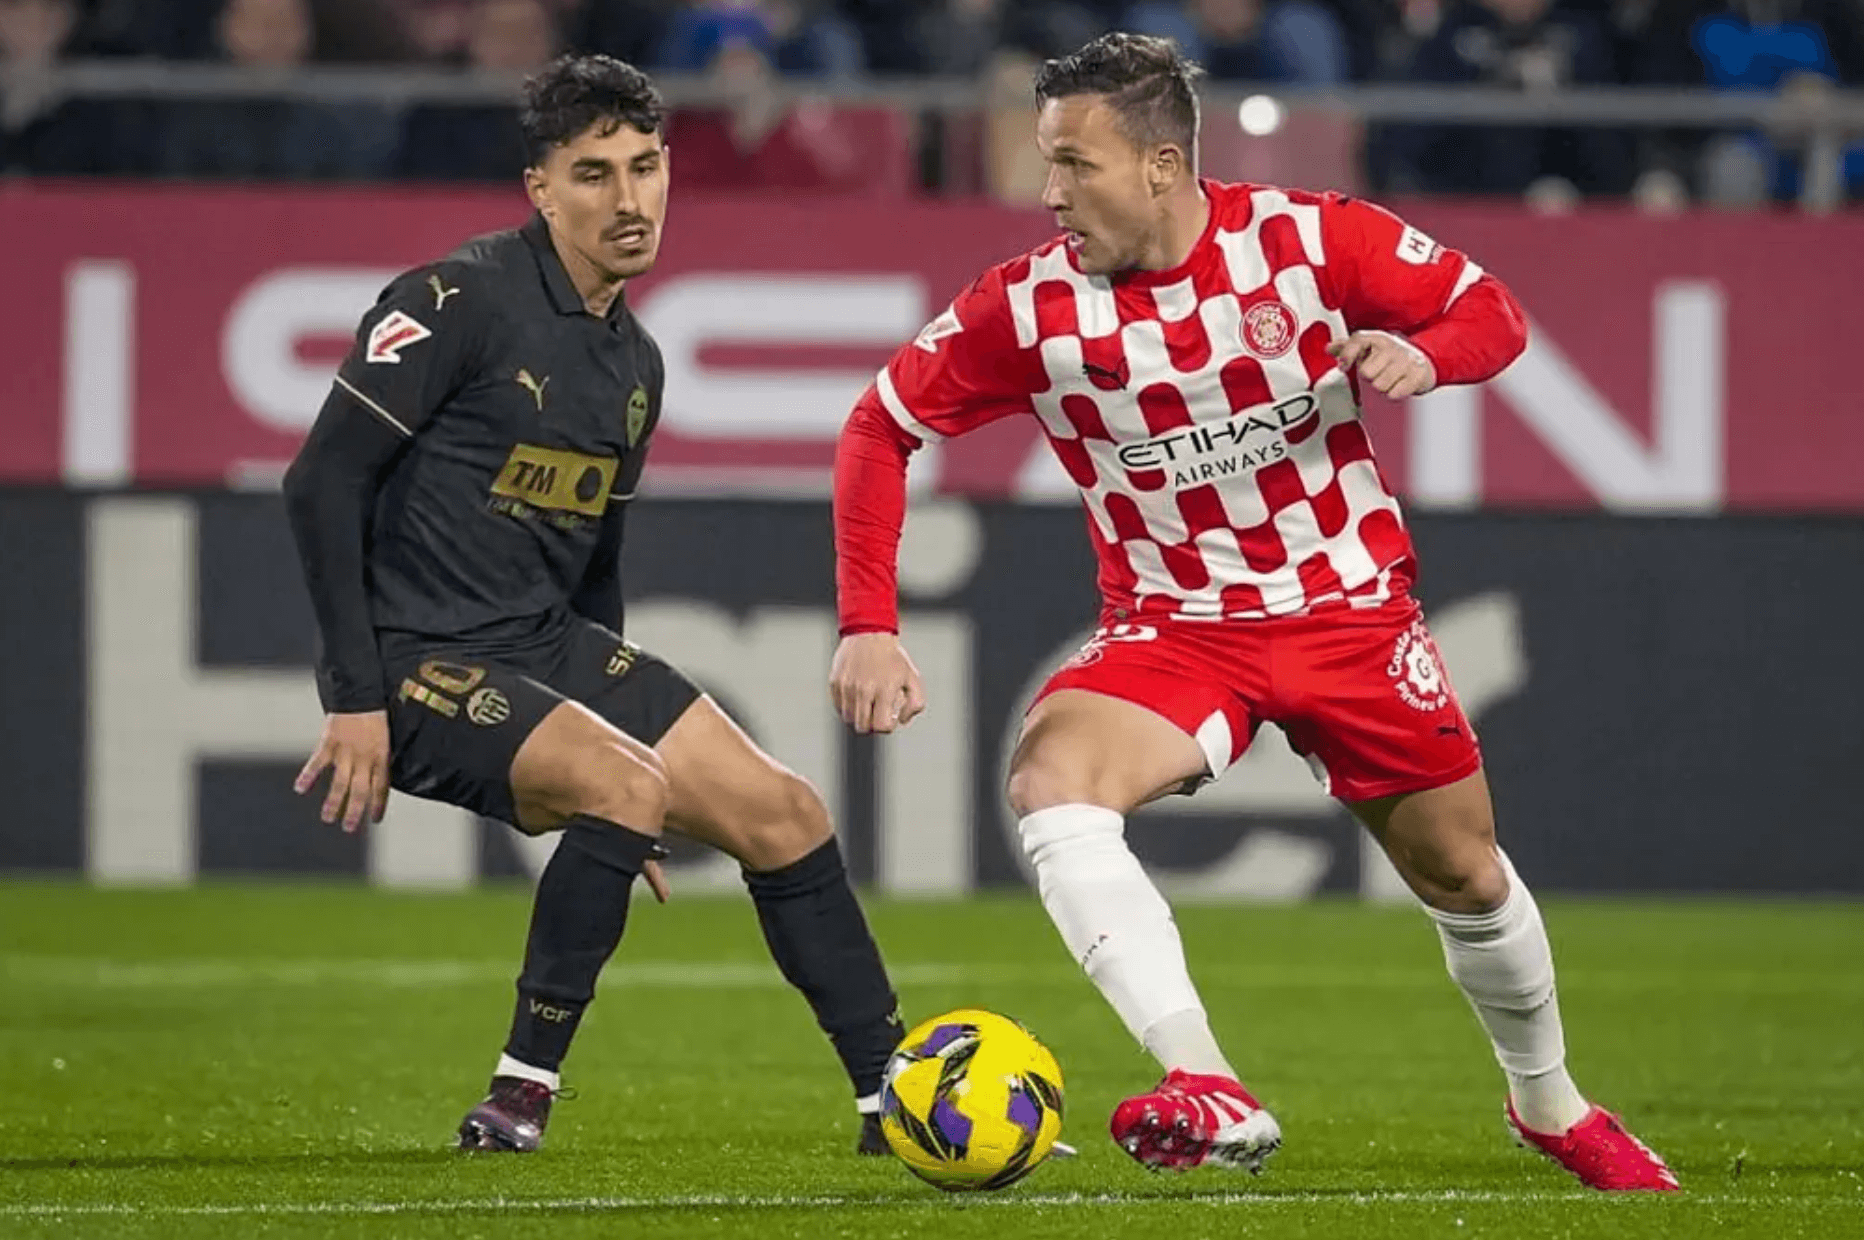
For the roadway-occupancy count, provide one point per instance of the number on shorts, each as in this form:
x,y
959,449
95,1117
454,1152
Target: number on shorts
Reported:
x,y
452,678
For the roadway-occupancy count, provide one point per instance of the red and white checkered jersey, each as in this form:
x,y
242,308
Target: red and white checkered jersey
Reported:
x,y
1217,446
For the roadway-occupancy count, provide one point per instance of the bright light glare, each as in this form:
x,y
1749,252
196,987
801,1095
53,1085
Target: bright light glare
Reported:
x,y
1261,115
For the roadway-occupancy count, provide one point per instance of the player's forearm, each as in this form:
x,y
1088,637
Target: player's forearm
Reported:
x,y
329,495
1477,335
870,509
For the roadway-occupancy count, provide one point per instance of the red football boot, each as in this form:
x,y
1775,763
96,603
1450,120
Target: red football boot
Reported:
x,y
1601,1152
1193,1121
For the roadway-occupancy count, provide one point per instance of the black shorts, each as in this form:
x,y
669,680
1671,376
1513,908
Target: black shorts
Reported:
x,y
457,715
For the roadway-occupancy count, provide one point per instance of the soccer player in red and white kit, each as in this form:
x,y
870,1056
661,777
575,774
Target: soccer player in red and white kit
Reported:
x,y
1194,352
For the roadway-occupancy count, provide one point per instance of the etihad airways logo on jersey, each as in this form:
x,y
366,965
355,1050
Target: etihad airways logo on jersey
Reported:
x,y
391,336
1238,445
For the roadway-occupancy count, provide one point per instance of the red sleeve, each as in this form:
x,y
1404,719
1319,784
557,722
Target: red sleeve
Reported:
x,y
965,368
1385,275
870,508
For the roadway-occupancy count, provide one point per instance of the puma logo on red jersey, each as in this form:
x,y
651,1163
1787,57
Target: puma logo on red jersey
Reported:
x,y
1103,377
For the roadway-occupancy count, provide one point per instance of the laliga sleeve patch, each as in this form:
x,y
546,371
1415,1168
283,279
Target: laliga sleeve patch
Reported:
x,y
944,325
391,336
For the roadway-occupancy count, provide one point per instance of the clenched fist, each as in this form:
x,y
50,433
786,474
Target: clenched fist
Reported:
x,y
874,685
1391,364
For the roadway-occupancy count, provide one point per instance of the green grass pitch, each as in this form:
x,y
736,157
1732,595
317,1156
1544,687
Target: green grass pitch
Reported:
x,y
239,1061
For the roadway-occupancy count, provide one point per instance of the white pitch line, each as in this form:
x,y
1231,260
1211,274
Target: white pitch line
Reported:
x,y
422,972
788,1202
212,973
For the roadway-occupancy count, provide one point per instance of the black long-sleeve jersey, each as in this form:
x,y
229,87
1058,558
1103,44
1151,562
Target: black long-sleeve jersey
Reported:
x,y
466,479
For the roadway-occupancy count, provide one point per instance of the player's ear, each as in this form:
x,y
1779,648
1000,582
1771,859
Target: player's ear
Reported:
x,y
1164,168
537,187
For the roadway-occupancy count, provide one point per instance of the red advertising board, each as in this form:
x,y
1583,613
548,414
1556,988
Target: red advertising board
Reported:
x,y
171,335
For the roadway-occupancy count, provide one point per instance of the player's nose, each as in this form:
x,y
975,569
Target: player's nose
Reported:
x,y
1053,195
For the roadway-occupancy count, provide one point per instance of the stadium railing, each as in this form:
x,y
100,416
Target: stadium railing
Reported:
x,y
1819,122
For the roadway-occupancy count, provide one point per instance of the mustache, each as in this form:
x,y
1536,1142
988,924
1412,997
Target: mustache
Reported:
x,y
621,226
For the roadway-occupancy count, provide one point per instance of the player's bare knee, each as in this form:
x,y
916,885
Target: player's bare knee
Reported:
x,y
793,823
626,787
1042,781
1466,877
1484,881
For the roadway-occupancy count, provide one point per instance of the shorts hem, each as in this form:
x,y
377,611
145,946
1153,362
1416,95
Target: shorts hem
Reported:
x,y
1132,698
1406,786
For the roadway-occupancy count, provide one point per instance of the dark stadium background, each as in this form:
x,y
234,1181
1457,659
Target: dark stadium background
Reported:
x,y
1642,548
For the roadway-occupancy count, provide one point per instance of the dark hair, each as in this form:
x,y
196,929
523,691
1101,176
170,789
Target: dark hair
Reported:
x,y
1148,82
572,93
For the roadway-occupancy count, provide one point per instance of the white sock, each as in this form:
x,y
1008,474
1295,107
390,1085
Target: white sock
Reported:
x,y
1183,1040
867,1104
1504,964
1120,930
507,1066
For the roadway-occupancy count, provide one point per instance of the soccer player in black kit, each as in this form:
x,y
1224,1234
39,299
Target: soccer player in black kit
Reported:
x,y
458,508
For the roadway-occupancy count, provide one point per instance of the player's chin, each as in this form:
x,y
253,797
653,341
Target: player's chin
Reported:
x,y
1095,260
628,261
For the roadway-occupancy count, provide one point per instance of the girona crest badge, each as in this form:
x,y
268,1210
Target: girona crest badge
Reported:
x,y
1417,670
1268,329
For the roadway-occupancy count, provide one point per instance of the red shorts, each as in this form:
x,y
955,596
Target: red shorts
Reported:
x,y
1362,694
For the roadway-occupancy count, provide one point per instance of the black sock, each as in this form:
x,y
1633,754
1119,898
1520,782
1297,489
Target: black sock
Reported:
x,y
577,918
820,940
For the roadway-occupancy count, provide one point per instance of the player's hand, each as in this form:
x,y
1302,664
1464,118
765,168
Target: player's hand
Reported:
x,y
874,685
1389,363
355,748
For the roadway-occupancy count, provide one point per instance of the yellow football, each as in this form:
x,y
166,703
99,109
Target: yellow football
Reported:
x,y
971,1101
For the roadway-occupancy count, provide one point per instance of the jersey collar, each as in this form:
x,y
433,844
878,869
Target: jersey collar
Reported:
x,y
557,283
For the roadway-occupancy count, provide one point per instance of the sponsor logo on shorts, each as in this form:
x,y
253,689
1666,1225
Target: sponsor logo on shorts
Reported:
x,y
1094,647
622,661
1417,671
487,707
1269,329
1236,446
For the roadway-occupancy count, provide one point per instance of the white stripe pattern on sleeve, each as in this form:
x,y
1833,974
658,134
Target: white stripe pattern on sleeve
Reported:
x,y
890,398
1471,273
374,408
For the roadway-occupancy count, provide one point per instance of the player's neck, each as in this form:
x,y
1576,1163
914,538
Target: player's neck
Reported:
x,y
1185,220
597,288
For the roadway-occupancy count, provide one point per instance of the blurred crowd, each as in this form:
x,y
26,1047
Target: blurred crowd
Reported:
x,y
751,140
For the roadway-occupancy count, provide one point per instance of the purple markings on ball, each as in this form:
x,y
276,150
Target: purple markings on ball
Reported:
x,y
952,1124
1025,1113
942,1037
